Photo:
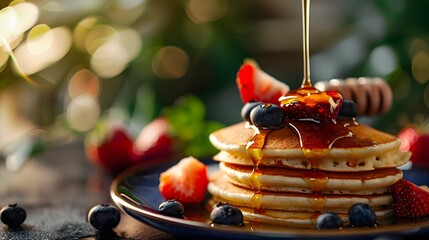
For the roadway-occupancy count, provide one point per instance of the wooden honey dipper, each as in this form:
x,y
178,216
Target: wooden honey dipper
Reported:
x,y
373,96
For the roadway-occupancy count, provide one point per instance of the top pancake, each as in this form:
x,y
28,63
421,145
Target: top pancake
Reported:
x,y
284,142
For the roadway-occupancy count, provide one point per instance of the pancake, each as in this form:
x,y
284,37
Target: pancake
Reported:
x,y
293,174
301,219
307,181
337,203
305,219
365,150
387,160
365,141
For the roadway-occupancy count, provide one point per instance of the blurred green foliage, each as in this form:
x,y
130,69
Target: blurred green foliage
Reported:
x,y
216,50
187,117
406,21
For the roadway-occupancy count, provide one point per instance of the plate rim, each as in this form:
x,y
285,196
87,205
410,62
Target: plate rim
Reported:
x,y
129,204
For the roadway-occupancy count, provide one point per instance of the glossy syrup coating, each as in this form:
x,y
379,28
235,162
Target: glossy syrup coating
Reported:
x,y
308,111
310,104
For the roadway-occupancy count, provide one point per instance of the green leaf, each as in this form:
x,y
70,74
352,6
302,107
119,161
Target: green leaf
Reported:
x,y
187,120
186,117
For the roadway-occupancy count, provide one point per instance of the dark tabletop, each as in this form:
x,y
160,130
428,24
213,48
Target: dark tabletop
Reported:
x,y
57,188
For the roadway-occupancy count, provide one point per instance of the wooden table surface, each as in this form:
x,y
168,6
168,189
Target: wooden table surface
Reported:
x,y
57,188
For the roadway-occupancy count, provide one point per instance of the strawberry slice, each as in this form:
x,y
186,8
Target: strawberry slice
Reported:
x,y
185,182
256,85
309,103
411,201
108,147
153,142
417,142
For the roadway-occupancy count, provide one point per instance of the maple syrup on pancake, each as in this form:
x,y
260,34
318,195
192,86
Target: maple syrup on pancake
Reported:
x,y
317,201
317,180
314,217
254,149
313,148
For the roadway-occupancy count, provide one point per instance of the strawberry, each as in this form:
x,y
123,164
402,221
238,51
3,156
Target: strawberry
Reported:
x,y
256,85
109,147
416,142
411,201
185,182
308,103
153,142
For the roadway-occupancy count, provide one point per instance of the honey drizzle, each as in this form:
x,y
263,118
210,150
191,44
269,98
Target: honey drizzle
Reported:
x,y
306,82
317,180
313,218
314,149
317,201
254,150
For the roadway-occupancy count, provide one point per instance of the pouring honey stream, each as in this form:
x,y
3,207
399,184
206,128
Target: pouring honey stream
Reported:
x,y
313,149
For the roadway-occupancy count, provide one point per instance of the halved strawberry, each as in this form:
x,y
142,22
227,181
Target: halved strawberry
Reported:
x,y
153,142
185,182
311,104
411,201
255,84
108,147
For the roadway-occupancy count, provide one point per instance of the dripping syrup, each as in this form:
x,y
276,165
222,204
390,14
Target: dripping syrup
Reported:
x,y
317,201
316,180
313,148
314,217
254,150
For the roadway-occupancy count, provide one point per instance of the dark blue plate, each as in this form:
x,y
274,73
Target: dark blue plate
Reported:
x,y
136,192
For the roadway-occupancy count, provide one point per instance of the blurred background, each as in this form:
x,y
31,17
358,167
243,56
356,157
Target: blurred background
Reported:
x,y
67,65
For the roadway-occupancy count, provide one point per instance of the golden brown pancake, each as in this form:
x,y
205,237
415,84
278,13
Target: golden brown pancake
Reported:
x,y
235,137
367,149
303,218
307,181
337,203
292,174
387,160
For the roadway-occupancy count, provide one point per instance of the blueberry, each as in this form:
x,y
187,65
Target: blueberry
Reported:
x,y
247,108
329,220
362,215
104,217
267,116
172,208
226,214
348,109
13,215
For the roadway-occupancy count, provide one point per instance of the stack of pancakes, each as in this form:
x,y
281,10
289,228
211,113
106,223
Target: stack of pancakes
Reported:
x,y
284,181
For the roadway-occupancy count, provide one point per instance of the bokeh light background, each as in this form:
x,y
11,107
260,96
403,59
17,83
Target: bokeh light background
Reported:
x,y
64,65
